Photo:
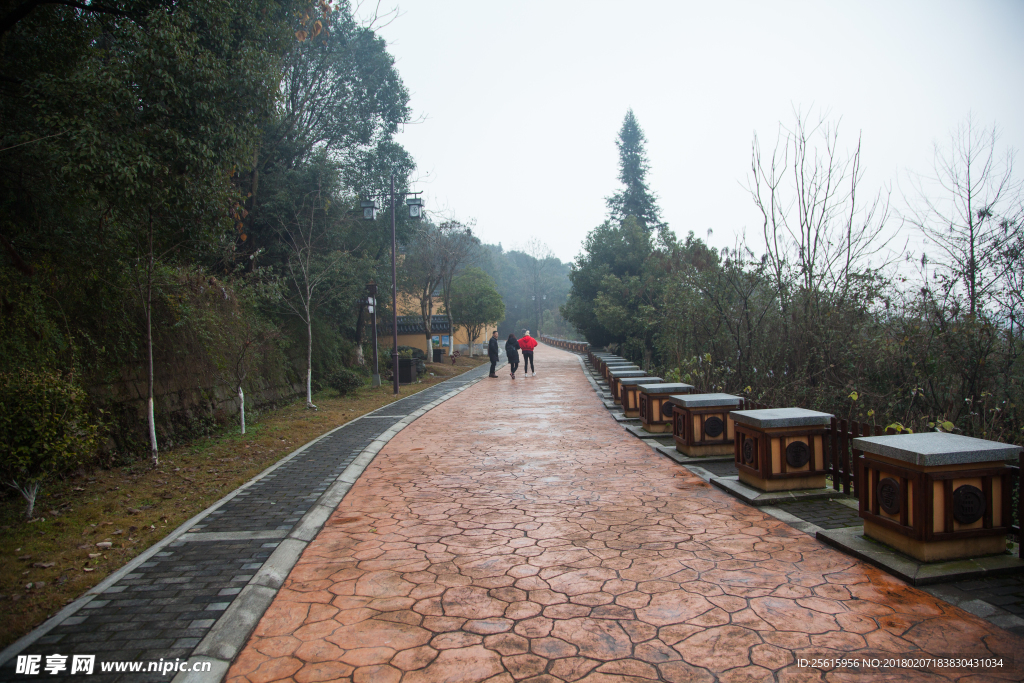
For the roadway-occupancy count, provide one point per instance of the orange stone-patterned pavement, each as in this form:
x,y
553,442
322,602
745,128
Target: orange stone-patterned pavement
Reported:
x,y
518,533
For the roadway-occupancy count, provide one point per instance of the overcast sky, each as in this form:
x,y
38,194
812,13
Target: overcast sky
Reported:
x,y
520,103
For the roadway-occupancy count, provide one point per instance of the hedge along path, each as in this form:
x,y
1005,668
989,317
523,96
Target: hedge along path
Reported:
x,y
516,532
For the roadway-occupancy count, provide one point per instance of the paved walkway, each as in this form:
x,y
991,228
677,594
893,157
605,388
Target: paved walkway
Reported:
x,y
195,584
516,532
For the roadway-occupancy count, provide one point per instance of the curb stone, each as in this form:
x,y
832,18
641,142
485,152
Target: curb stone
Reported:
x,y
304,530
227,637
69,610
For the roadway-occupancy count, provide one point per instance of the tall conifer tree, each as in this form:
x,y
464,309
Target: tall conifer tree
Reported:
x,y
635,199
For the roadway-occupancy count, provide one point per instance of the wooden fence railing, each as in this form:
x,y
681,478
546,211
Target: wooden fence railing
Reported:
x,y
568,344
1018,486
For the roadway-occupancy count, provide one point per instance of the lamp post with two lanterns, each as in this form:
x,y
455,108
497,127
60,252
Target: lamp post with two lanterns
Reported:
x,y
369,208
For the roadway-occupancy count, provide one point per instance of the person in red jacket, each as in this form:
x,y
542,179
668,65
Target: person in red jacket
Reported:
x,y
527,344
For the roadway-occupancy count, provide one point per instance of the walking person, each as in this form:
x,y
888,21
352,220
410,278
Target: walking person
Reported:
x,y
492,353
512,351
528,344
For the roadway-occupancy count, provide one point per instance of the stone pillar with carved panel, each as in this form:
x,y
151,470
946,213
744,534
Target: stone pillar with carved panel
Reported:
x,y
614,375
701,424
781,449
655,409
936,496
629,393
601,364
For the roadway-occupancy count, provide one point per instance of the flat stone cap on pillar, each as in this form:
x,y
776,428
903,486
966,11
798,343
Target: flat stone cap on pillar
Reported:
x,y
706,400
619,374
774,418
666,388
629,381
930,449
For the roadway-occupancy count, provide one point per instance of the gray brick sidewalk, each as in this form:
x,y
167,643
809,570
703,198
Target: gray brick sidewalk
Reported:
x,y
169,603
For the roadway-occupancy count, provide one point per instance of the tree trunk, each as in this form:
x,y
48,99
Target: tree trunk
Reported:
x,y
153,451
360,324
28,492
241,407
309,362
427,313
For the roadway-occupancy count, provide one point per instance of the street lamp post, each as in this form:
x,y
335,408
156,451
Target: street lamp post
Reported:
x,y
371,303
370,213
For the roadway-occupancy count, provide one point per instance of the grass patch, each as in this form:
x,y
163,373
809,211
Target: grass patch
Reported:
x,y
50,561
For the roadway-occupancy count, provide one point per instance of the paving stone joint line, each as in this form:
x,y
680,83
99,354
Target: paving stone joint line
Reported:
x,y
304,528
542,544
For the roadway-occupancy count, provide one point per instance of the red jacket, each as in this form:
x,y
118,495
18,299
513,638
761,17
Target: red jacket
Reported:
x,y
527,343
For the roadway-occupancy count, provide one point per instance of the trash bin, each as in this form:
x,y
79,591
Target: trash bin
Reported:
x,y
406,370
438,355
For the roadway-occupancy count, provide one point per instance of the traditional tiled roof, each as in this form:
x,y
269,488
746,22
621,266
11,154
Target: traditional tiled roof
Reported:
x,y
413,324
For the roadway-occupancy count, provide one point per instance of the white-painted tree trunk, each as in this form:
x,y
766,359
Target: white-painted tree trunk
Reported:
x,y
309,363
28,492
154,452
241,407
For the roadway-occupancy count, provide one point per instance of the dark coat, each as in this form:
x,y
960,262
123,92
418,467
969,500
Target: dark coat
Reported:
x,y
512,351
492,349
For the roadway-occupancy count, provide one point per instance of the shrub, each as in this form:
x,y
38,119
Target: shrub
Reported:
x,y
45,430
344,380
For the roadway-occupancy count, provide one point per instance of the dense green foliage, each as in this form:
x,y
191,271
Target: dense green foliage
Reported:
x,y
475,303
45,429
345,380
635,198
823,319
195,165
533,283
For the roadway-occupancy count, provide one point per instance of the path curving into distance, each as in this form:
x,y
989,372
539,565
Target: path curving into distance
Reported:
x,y
516,532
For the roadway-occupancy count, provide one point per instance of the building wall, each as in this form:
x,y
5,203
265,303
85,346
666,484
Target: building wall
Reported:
x,y
408,305
418,341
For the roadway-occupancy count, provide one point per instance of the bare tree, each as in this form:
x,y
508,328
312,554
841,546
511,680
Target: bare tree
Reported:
x,y
249,342
421,276
540,255
970,212
818,231
313,261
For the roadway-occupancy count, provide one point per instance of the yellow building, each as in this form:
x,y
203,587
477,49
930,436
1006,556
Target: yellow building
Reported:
x,y
411,333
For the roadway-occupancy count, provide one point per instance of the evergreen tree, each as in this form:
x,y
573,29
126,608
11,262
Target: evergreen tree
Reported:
x,y
635,199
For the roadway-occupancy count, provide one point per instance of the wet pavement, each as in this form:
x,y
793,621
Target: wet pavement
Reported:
x,y
163,608
517,533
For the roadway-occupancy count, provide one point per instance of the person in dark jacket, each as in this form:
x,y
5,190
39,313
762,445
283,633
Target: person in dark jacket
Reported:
x,y
492,352
512,351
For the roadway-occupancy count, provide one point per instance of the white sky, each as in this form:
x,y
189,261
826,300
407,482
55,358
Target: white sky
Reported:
x,y
522,102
